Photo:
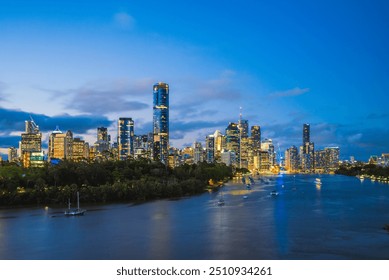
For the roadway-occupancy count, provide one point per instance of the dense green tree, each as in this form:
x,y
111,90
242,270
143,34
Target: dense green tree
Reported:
x,y
104,181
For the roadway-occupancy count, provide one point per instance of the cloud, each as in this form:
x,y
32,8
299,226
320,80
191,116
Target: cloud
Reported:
x,y
124,21
14,120
290,92
354,138
193,112
183,126
2,94
176,135
197,93
221,88
102,97
375,116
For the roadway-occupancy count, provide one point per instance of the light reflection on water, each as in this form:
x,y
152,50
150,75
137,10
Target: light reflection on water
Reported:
x,y
342,218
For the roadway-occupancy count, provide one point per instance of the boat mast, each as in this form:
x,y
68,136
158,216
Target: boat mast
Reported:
x,y
78,200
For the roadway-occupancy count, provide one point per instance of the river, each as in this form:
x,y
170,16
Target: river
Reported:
x,y
340,219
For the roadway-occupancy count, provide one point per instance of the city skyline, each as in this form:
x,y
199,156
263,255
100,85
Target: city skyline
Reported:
x,y
85,65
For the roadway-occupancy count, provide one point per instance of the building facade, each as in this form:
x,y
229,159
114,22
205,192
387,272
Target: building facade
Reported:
x,y
161,122
307,151
292,159
125,139
210,148
60,145
233,140
31,142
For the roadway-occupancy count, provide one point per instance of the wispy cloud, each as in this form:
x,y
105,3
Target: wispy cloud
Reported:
x,y
103,97
2,88
196,125
220,88
124,20
354,138
290,92
219,91
375,116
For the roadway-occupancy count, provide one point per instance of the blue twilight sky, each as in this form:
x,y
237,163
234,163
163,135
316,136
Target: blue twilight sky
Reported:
x,y
83,64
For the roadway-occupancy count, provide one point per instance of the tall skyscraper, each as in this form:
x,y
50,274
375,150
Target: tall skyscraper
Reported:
x,y
291,159
198,152
31,142
268,146
125,138
307,151
244,128
210,148
233,140
219,144
256,136
161,122
306,134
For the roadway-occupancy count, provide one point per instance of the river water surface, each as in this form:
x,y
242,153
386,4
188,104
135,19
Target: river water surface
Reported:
x,y
340,219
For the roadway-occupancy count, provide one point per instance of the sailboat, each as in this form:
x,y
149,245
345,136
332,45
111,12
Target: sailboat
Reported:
x,y
75,211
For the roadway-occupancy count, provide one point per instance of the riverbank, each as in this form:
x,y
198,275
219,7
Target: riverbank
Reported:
x,y
121,181
366,171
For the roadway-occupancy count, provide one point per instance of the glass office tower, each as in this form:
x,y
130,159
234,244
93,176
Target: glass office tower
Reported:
x,y
125,138
161,122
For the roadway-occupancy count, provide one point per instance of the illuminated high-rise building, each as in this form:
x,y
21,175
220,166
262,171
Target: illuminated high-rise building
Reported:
x,y
161,122
79,150
244,128
307,151
210,148
332,158
306,134
268,146
291,159
102,134
103,141
31,142
12,154
125,138
242,154
256,137
219,145
60,145
198,152
233,139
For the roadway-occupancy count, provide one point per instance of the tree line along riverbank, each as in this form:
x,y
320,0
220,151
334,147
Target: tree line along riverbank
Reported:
x,y
109,181
363,169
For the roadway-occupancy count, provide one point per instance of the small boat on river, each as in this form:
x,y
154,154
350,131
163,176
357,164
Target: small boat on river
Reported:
x,y
75,211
